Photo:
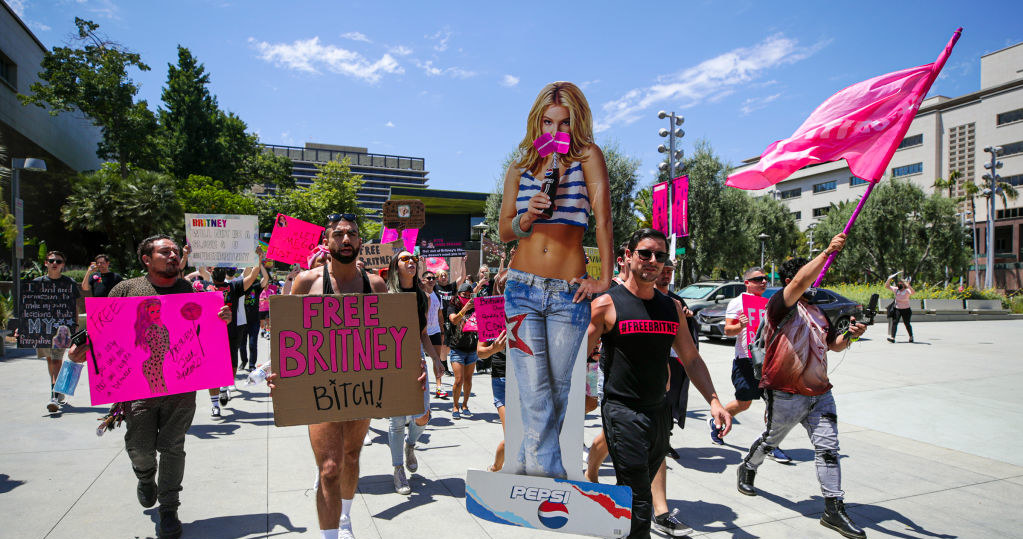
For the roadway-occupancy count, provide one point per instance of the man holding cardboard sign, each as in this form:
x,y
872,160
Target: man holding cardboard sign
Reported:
x,y
337,444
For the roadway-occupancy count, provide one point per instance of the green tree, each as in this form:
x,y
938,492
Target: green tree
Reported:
x,y
772,217
189,120
644,204
334,190
899,228
126,209
94,80
202,194
622,179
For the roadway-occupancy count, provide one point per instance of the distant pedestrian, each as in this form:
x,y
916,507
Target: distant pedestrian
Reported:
x,y
54,355
901,309
98,278
462,342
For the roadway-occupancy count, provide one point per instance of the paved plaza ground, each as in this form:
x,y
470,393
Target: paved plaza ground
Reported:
x,y
929,433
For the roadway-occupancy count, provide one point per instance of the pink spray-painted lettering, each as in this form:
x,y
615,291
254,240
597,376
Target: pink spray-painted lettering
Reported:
x,y
292,240
755,309
490,319
150,346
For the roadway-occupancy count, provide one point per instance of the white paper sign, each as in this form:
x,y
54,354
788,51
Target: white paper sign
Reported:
x,y
221,240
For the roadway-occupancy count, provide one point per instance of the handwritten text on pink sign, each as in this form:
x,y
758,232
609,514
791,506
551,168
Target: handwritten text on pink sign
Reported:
x,y
149,346
489,316
292,240
755,309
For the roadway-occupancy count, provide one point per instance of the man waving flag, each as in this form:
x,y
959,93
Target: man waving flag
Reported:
x,y
863,124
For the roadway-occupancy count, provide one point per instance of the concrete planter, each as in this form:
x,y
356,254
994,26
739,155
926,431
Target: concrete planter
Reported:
x,y
984,305
944,305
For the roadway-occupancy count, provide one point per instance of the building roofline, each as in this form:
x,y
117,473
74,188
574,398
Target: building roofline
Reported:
x,y
23,25
1001,49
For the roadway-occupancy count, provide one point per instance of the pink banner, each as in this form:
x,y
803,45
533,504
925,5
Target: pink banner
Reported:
x,y
755,309
490,316
292,240
862,124
680,206
149,346
408,237
470,323
659,194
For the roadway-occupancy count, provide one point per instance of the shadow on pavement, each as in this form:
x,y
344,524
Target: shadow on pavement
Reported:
x,y
877,514
211,432
235,526
7,484
424,491
704,517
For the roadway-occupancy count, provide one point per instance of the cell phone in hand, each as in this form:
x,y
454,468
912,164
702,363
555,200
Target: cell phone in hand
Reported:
x,y
80,338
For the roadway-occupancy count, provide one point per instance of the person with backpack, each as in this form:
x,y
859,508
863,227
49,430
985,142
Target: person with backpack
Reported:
x,y
746,384
794,377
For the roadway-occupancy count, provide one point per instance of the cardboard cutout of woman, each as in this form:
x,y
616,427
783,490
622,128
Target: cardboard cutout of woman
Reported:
x,y
550,192
152,335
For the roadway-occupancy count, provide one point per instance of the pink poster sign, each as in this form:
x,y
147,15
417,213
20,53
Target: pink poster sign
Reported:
x,y
755,309
436,263
470,323
659,193
408,237
490,316
150,346
292,240
680,206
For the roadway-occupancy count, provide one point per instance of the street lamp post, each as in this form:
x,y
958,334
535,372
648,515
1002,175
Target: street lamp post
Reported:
x,y
17,165
993,178
962,223
762,237
674,162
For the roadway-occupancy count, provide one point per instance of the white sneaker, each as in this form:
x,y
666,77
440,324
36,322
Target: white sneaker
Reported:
x,y
410,458
344,528
61,399
401,485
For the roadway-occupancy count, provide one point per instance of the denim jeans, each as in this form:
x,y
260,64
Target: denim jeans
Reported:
x,y
396,432
819,417
545,332
159,425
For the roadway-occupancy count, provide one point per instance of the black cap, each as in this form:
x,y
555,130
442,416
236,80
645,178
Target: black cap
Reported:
x,y
466,287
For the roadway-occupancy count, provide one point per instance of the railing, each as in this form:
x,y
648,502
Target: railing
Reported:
x,y
316,155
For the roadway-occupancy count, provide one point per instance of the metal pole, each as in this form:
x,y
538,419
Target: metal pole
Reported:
x,y
15,260
989,275
671,168
973,255
761,254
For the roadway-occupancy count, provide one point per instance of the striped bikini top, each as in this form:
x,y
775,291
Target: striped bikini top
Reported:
x,y
572,203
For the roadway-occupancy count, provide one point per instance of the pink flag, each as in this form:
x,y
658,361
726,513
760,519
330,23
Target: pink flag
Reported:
x,y
863,124
659,198
680,206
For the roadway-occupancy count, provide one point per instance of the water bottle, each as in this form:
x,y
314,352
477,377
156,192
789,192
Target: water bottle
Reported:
x,y
549,186
258,375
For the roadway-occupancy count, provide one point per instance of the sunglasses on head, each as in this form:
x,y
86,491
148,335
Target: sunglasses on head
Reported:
x,y
761,279
335,217
54,261
406,258
645,254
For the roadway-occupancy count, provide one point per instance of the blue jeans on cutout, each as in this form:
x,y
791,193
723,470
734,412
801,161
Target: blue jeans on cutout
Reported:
x,y
545,331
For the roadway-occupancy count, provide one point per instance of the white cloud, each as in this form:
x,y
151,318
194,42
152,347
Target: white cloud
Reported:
x,y
709,80
18,7
434,71
756,103
389,124
585,84
509,81
38,26
441,37
356,36
401,50
310,56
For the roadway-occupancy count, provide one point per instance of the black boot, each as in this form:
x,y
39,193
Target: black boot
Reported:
x,y
744,481
170,526
146,492
835,518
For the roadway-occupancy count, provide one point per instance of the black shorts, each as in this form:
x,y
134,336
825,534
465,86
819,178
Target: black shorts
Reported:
x,y
263,315
435,339
746,385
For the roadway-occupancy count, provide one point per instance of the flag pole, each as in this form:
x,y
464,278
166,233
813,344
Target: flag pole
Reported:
x,y
935,69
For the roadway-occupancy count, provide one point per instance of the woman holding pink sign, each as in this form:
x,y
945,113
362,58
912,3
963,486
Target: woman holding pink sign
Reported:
x,y
559,178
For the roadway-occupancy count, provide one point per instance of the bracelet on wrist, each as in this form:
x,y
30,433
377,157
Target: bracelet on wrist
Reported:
x,y
517,227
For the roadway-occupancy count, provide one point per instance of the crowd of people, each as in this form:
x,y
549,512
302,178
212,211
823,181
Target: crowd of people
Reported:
x,y
638,339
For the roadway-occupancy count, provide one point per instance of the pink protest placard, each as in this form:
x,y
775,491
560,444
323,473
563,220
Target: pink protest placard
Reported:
x,y
489,316
470,323
292,240
755,309
150,346
408,236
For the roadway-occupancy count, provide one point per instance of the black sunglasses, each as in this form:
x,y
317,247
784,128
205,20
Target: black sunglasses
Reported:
x,y
335,217
54,261
760,279
645,254
429,278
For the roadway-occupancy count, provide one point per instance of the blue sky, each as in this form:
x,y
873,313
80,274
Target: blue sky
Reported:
x,y
453,82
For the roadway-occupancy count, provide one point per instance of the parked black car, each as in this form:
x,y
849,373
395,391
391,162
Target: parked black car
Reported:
x,y
710,294
838,308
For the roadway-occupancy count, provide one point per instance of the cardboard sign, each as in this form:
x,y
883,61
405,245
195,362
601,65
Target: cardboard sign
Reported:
x,y
408,237
221,240
150,346
441,252
402,214
545,503
378,255
344,357
292,240
755,308
490,319
593,267
47,314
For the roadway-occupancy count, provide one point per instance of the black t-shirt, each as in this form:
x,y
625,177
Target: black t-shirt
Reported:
x,y
633,363
102,283
498,361
463,341
232,290
691,323
251,302
445,292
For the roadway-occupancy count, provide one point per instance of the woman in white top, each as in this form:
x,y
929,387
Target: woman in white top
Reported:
x,y
902,291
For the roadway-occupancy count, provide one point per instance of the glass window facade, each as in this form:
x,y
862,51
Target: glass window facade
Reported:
x,y
915,168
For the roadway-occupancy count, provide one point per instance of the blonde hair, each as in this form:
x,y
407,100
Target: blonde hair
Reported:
x,y
580,121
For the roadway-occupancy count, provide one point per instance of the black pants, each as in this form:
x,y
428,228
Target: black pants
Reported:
x,y
637,440
893,323
235,337
249,332
678,394
159,425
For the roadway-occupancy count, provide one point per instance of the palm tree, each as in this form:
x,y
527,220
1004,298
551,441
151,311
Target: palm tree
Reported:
x,y
644,205
950,183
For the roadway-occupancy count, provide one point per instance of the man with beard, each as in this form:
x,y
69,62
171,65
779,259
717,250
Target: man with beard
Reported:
x,y
158,423
638,325
337,444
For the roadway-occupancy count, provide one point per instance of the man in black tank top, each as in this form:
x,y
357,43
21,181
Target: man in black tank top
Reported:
x,y
638,326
